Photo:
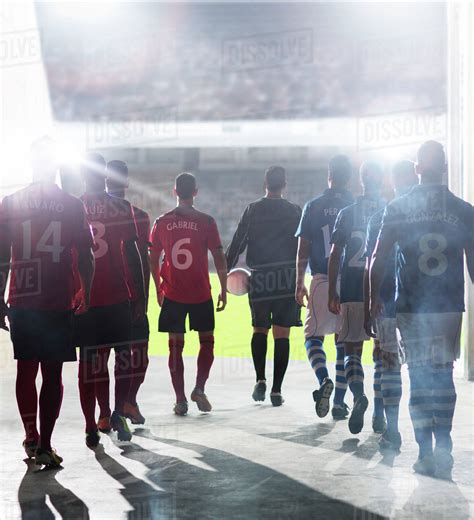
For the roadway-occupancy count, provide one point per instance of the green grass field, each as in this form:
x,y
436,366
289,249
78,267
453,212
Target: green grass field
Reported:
x,y
233,332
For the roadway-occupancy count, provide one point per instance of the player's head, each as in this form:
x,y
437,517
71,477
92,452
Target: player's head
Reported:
x,y
339,171
431,162
403,176
185,186
117,178
371,176
43,160
275,179
93,172
70,179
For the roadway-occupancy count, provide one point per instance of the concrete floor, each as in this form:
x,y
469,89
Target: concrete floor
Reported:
x,y
241,461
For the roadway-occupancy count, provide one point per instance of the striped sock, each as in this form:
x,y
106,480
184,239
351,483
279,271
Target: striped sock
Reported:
x,y
378,399
341,383
421,406
391,383
444,403
354,374
317,357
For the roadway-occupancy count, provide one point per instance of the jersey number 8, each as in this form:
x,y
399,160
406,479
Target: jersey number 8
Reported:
x,y
433,261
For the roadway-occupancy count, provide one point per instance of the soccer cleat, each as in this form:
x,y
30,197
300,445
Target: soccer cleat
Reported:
x,y
132,412
119,424
340,411
321,397
356,420
92,439
200,398
390,441
104,424
443,464
48,458
425,465
276,398
259,391
181,408
30,448
379,424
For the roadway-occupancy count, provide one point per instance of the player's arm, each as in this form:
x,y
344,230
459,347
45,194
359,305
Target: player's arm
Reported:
x,y
333,272
367,319
469,251
156,250
5,257
239,241
134,261
85,269
221,267
383,248
301,265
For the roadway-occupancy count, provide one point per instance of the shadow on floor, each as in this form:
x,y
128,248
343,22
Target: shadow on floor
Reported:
x,y
34,489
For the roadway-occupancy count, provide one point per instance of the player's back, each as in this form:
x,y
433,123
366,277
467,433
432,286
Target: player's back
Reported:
x,y
319,217
271,235
431,226
112,223
186,235
350,232
45,225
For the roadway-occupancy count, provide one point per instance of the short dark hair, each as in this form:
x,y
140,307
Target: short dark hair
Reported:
x,y
275,178
117,174
371,175
340,169
403,174
185,185
432,157
93,167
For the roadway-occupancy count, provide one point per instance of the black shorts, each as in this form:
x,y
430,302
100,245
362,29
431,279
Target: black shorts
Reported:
x,y
108,326
141,330
173,316
42,335
283,312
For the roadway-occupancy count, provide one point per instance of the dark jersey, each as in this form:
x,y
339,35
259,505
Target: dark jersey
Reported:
x,y
267,229
317,224
431,227
387,290
350,233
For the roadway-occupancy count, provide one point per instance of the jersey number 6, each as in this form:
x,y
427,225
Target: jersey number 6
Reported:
x,y
178,253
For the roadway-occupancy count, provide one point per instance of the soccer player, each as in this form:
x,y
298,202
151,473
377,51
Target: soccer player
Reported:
x,y
314,232
40,227
432,229
185,235
117,183
348,241
403,179
267,229
108,322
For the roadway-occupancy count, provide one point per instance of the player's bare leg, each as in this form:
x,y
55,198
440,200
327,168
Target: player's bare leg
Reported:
x,y
355,379
87,395
259,356
281,337
176,368
27,399
122,375
378,418
204,363
102,388
391,392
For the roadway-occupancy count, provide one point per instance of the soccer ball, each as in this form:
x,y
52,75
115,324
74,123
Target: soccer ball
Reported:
x,y
238,282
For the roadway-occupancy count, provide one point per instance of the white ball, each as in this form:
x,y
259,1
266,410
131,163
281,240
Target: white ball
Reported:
x,y
238,282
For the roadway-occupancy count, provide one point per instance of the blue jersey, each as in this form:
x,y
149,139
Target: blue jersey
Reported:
x,y
387,290
349,233
317,224
431,227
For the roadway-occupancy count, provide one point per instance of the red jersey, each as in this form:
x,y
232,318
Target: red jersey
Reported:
x,y
142,223
112,222
44,226
185,235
